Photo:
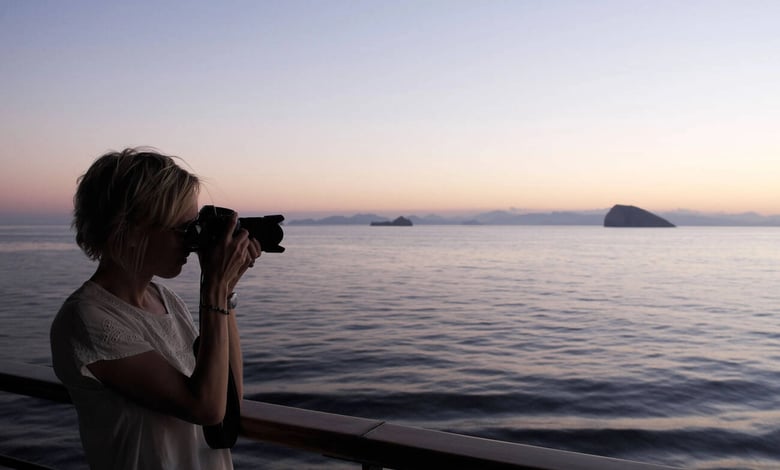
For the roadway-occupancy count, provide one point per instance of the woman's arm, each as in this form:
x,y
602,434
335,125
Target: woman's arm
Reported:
x,y
151,381
236,358
148,378
254,250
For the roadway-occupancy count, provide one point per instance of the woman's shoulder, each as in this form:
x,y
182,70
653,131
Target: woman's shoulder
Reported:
x,y
91,305
85,299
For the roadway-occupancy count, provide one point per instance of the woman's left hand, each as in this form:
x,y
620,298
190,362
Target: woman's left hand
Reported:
x,y
253,251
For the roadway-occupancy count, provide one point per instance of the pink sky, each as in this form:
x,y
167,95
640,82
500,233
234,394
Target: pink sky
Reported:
x,y
401,107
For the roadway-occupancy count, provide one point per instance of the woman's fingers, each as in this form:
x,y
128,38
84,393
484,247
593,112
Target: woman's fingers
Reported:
x,y
254,250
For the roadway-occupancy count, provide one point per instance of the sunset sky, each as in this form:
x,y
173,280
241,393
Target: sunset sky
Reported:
x,y
400,107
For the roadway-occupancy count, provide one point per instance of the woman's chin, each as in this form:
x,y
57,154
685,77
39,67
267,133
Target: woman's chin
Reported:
x,y
170,274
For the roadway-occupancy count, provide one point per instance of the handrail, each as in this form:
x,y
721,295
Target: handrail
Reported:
x,y
373,443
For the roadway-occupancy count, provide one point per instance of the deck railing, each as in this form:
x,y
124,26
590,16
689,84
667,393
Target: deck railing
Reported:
x,y
374,444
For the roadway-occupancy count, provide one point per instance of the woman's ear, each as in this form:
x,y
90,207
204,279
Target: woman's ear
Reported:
x,y
127,247
132,237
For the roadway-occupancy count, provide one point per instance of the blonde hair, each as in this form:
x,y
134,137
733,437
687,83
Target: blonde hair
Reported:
x,y
122,196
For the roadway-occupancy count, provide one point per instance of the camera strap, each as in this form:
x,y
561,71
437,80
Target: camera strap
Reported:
x,y
223,435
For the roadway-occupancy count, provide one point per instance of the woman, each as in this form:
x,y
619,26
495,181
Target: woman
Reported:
x,y
123,343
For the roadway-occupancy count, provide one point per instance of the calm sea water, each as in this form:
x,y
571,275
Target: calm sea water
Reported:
x,y
658,345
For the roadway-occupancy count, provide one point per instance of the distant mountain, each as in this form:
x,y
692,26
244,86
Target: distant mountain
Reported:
x,y
357,219
399,222
540,218
746,219
679,218
590,217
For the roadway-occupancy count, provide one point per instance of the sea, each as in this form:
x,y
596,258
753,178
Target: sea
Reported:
x,y
654,345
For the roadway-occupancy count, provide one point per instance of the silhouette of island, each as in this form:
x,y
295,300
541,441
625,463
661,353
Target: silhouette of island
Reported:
x,y
399,222
632,216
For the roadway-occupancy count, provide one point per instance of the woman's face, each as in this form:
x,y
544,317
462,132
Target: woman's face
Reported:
x,y
166,251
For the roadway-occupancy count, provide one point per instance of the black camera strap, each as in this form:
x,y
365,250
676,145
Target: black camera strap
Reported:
x,y
223,435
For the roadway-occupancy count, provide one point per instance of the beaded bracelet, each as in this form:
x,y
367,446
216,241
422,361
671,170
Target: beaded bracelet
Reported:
x,y
221,310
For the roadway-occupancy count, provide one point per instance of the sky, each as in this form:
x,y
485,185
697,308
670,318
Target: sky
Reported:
x,y
400,107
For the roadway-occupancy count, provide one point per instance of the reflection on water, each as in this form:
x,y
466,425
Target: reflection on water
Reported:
x,y
653,345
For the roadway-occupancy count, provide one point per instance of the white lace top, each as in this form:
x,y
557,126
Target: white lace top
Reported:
x,y
116,433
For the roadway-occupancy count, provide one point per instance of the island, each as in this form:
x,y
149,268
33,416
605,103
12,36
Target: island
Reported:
x,y
399,222
632,216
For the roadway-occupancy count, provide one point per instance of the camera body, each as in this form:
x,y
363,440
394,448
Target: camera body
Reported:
x,y
212,221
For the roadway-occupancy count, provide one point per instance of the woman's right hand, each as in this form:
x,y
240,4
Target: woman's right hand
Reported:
x,y
225,260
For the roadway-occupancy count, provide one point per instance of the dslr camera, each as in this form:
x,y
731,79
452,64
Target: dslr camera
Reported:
x,y
212,221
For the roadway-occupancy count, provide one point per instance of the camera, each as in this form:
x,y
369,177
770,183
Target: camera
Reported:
x,y
212,220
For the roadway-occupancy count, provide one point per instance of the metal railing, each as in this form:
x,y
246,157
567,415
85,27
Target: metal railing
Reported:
x,y
374,444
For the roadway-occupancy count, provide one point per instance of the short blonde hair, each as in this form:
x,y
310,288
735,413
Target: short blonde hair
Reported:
x,y
127,193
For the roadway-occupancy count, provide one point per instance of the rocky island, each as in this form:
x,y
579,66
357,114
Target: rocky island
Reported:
x,y
632,216
399,222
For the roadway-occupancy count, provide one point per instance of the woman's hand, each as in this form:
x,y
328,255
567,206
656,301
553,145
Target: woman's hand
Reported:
x,y
253,251
223,260
229,257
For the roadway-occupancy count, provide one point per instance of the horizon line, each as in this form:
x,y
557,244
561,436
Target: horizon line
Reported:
x,y
56,217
